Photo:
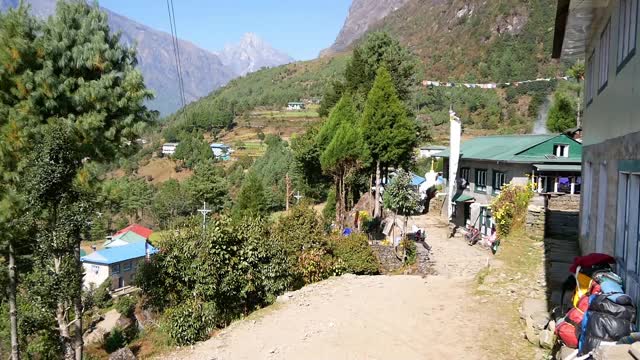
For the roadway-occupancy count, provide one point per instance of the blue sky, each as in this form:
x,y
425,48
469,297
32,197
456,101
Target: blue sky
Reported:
x,y
299,28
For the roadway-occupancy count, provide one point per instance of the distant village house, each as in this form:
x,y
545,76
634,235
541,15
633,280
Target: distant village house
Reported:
x,y
118,263
295,105
431,151
169,148
221,151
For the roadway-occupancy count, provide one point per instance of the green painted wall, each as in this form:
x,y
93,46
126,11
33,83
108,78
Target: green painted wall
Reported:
x,y
546,148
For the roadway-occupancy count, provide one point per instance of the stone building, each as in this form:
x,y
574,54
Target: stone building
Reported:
x,y
605,35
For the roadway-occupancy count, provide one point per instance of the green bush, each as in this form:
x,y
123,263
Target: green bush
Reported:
x,y
356,254
190,322
316,264
126,305
101,297
116,340
411,251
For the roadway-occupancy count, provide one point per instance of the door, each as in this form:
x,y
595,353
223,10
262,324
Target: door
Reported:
x,y
602,207
120,282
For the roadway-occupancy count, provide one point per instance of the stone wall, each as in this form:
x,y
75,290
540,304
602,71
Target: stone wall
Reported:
x,y
535,225
389,262
562,216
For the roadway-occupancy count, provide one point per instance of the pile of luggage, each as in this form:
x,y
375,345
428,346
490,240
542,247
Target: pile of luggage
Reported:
x,y
601,313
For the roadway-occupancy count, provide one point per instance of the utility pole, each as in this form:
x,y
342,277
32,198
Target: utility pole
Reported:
x,y
204,211
288,191
298,197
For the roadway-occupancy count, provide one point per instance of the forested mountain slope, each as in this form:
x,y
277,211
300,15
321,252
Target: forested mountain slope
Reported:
x,y
454,40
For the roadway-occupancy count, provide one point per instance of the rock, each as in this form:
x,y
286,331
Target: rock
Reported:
x,y
122,354
613,352
635,350
566,353
551,326
532,306
547,339
538,320
532,336
284,297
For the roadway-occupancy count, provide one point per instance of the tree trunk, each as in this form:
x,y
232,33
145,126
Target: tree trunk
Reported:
x,y
13,311
337,181
372,207
63,323
78,309
344,200
376,209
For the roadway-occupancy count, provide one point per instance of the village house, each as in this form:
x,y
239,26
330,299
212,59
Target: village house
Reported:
x,y
295,105
605,33
431,150
116,263
169,148
221,151
129,235
548,163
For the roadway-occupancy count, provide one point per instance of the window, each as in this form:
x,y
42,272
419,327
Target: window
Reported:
x,y
627,229
605,42
464,174
627,31
499,179
95,269
127,266
591,75
481,180
561,150
115,269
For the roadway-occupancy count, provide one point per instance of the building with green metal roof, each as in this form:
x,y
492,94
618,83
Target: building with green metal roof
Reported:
x,y
551,162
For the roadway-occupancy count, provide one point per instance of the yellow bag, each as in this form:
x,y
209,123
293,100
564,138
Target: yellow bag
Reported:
x,y
583,285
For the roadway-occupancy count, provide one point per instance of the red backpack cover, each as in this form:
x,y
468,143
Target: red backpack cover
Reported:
x,y
569,329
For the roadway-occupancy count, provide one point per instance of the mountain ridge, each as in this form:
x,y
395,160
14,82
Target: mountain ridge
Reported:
x,y
252,53
203,71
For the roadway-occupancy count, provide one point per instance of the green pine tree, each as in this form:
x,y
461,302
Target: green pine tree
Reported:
x,y
562,114
345,151
389,134
251,198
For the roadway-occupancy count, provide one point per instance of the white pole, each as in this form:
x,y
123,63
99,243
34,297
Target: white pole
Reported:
x,y
454,156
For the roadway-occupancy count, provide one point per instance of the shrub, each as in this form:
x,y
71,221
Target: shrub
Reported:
x,y
190,322
411,251
126,305
315,265
116,340
355,254
510,208
101,297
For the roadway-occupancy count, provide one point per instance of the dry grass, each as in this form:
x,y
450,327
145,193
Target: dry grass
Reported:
x,y
161,170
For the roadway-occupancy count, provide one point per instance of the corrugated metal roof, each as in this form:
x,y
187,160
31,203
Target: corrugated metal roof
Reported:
x,y
138,229
559,167
463,198
417,180
508,148
118,254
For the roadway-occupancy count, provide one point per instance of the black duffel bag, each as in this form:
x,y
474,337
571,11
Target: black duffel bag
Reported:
x,y
606,321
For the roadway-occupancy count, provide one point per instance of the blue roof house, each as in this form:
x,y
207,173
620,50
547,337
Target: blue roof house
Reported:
x,y
117,263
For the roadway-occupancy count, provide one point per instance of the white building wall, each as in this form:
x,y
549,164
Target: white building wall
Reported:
x,y
95,274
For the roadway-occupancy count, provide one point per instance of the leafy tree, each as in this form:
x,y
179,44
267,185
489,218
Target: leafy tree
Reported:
x,y
272,168
306,153
251,198
193,150
562,114
388,133
400,197
208,185
170,202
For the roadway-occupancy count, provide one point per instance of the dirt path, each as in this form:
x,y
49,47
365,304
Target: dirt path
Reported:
x,y
369,317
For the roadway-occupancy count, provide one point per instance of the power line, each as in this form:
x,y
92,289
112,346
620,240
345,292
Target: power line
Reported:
x,y
176,54
175,30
